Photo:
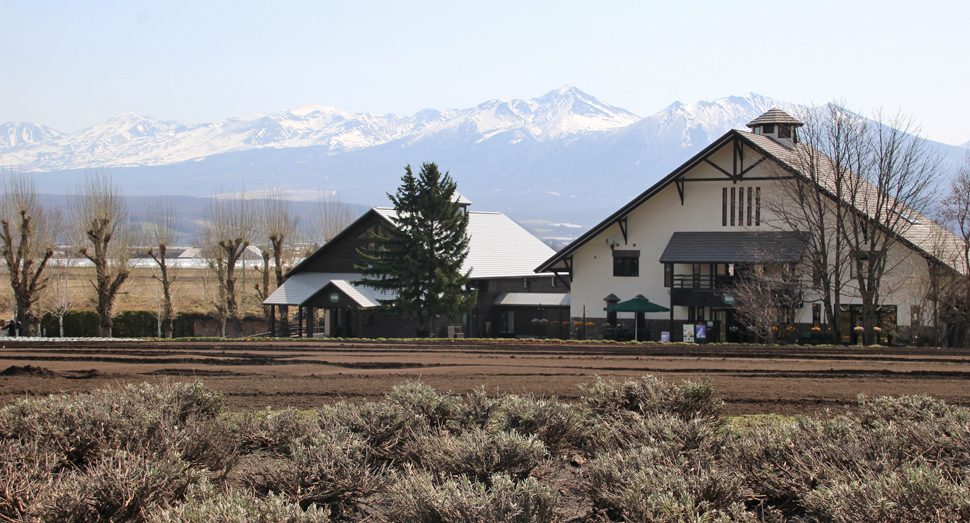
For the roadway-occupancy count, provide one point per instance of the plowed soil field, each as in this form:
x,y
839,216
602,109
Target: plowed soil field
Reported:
x,y
305,374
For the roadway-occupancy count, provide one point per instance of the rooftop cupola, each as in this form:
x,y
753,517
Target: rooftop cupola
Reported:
x,y
777,125
463,203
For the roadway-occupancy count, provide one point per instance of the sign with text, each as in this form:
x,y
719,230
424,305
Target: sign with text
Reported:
x,y
688,333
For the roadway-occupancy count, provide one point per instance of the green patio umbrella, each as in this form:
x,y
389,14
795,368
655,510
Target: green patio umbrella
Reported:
x,y
637,304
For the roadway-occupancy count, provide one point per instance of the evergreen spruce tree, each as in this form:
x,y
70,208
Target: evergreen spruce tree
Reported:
x,y
420,260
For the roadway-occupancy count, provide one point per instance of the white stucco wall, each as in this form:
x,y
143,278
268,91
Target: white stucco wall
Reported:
x,y
651,225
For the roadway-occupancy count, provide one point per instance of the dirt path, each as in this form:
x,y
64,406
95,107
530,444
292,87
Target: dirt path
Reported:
x,y
252,375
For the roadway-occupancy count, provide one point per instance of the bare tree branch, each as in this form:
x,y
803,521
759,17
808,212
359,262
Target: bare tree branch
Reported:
x,y
104,235
28,237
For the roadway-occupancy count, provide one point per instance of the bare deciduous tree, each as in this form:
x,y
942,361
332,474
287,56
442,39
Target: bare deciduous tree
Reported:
x,y
28,237
895,172
161,232
104,235
60,297
860,186
277,226
813,202
227,232
766,299
329,217
956,214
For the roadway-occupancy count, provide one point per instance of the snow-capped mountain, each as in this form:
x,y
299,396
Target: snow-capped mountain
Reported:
x,y
15,135
564,156
129,140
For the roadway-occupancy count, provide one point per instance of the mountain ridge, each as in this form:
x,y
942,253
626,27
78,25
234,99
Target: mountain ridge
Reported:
x,y
563,157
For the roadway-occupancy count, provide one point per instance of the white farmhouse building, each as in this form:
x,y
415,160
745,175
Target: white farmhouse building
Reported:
x,y
682,243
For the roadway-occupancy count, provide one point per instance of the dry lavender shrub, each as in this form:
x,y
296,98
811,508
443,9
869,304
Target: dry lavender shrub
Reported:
x,y
336,471
673,475
800,468
136,418
277,431
204,505
25,475
560,426
479,454
911,494
386,428
651,396
479,409
437,410
118,486
917,428
420,497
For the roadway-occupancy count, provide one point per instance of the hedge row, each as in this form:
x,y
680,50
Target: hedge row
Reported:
x,y
125,324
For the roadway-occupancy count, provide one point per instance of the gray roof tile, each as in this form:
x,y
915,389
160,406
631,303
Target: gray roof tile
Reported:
x,y
775,116
734,247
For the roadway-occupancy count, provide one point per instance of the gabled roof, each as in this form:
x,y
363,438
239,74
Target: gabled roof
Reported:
x,y
924,235
497,247
301,287
573,246
775,116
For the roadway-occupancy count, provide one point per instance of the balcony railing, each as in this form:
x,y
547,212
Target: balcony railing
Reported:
x,y
702,282
688,282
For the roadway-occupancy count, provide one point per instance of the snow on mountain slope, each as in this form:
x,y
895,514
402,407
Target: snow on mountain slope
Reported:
x,y
670,136
129,140
14,135
561,113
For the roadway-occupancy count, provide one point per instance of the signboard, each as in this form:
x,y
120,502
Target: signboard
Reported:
x,y
729,299
665,337
688,333
334,297
701,332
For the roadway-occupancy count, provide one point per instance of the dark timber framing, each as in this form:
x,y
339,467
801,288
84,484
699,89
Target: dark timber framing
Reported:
x,y
740,145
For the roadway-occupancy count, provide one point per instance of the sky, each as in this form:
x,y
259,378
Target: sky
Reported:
x,y
72,64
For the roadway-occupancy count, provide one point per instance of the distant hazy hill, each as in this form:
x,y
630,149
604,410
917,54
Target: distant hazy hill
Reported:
x,y
565,157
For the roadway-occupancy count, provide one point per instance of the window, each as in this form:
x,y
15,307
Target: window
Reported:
x,y
553,284
724,206
506,322
626,263
750,191
740,205
757,206
525,283
668,274
915,313
768,128
784,131
737,206
816,315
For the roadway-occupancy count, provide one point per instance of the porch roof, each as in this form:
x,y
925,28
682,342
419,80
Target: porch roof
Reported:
x,y
532,299
734,247
301,287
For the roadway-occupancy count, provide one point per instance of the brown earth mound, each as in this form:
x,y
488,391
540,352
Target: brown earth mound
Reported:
x,y
26,370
